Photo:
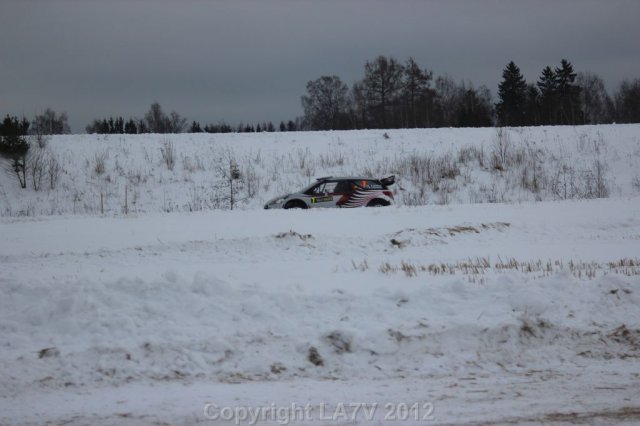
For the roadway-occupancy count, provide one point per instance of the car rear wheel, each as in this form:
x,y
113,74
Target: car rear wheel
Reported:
x,y
295,204
377,203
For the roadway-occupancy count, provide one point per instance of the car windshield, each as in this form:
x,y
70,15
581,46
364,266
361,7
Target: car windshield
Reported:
x,y
308,188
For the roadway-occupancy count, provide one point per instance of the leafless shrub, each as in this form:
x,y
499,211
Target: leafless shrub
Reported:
x,y
340,342
187,164
331,160
251,180
425,172
418,169
386,268
99,163
305,163
445,190
48,353
195,201
168,152
277,368
532,173
501,151
408,269
568,182
230,175
415,198
362,266
563,182
314,357
293,234
492,193
258,158
136,177
192,164
303,157
446,167
39,139
53,171
533,327
468,154
599,187
37,160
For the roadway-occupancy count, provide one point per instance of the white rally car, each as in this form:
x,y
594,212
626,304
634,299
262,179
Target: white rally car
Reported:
x,y
338,192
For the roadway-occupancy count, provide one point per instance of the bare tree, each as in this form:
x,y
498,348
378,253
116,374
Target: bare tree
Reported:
x,y
594,100
229,171
168,152
50,123
628,102
156,121
382,84
448,96
37,159
415,90
326,104
53,170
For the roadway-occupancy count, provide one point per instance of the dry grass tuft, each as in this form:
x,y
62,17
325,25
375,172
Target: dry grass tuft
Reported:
x,y
294,234
481,265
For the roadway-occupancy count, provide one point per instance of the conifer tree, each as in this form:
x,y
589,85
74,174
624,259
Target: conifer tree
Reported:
x,y
14,146
548,87
568,93
512,92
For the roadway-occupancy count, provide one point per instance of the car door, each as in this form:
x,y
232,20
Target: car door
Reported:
x,y
323,195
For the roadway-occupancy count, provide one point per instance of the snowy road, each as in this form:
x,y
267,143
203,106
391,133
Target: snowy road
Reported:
x,y
522,313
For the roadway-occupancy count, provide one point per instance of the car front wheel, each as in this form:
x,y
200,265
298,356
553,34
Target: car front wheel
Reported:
x,y
295,204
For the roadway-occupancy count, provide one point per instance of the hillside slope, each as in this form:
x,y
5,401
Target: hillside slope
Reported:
x,y
188,172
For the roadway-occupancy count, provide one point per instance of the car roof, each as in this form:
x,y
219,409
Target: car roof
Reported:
x,y
345,178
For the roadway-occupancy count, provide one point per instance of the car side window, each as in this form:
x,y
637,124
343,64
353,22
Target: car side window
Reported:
x,y
316,189
330,187
342,187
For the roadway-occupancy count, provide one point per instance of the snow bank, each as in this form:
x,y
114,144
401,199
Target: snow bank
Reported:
x,y
283,295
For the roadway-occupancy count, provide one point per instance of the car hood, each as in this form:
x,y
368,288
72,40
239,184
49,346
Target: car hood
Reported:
x,y
273,200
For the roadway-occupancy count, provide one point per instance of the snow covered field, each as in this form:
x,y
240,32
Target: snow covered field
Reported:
x,y
492,313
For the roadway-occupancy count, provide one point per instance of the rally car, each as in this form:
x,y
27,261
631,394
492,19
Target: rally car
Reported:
x,y
338,192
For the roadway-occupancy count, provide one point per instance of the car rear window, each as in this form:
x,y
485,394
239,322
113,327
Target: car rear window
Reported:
x,y
368,184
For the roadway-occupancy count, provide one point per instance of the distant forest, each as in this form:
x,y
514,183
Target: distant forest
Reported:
x,y
395,95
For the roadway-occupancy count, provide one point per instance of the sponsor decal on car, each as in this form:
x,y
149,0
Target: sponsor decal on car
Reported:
x,y
361,198
321,199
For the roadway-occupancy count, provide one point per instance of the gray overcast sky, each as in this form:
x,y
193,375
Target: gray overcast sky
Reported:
x,y
250,60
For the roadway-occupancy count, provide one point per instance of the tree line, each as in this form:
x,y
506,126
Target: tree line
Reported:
x,y
157,121
392,94
403,95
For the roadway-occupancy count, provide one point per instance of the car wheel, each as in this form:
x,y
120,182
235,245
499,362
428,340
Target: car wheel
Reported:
x,y
295,204
377,203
